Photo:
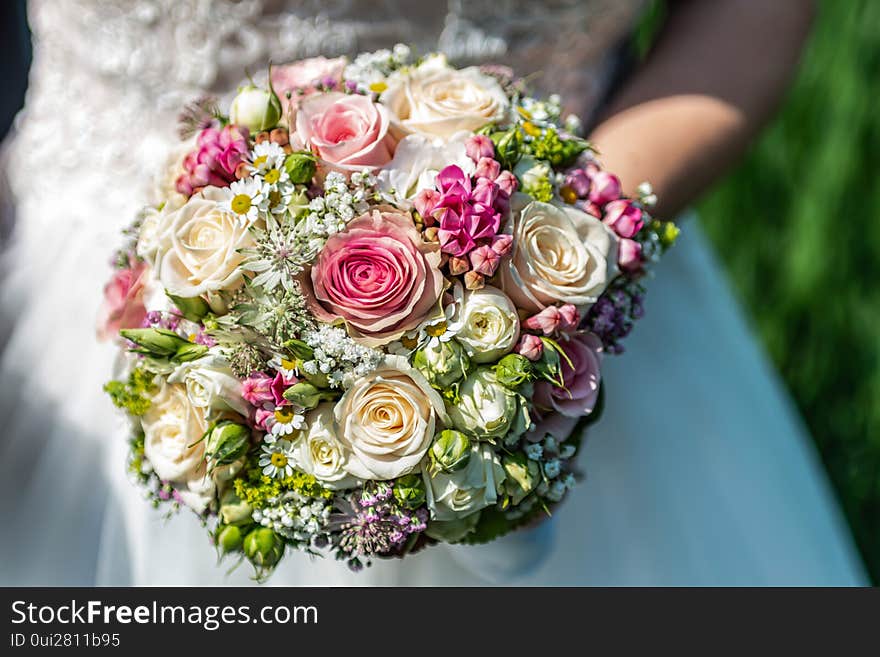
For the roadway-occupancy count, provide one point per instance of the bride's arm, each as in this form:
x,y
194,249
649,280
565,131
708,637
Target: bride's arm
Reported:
x,y
715,75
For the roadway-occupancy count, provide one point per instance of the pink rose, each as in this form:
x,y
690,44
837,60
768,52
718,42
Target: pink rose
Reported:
x,y
581,379
604,187
623,217
303,78
378,276
256,389
348,132
123,305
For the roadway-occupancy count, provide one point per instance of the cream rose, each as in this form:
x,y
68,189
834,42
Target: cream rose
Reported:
x,y
489,324
387,419
198,247
164,187
438,100
452,496
560,254
318,452
211,385
173,429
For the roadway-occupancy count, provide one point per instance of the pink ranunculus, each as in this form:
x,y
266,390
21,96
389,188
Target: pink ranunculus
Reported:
x,y
378,276
256,389
581,379
298,80
279,384
530,346
629,255
218,152
623,217
348,132
604,187
123,305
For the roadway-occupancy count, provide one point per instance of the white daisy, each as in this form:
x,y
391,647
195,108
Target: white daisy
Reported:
x,y
246,199
267,155
287,368
285,420
276,459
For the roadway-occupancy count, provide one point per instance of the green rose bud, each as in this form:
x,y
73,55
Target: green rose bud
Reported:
x,y
489,410
234,510
193,309
523,475
450,451
452,531
443,365
229,538
409,491
308,395
263,547
300,167
227,442
513,370
257,109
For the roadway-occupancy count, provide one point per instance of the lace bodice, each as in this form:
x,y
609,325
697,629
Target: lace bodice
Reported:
x,y
109,76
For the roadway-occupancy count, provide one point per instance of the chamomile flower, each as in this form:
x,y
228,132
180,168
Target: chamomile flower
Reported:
x,y
285,420
286,367
246,199
442,327
267,156
276,459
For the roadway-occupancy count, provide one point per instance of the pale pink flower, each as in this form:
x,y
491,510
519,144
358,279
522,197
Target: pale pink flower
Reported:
x,y
485,260
580,379
629,255
123,305
623,217
530,346
478,147
604,187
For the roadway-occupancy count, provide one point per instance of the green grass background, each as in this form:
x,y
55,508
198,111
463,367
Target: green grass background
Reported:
x,y
797,225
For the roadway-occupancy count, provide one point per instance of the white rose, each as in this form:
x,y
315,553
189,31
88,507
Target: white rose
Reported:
x,y
438,100
417,161
211,385
173,429
318,452
560,254
198,246
488,410
476,486
148,235
164,189
489,324
387,419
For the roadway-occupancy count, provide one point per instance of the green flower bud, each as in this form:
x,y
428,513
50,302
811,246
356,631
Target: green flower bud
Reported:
x,y
489,410
513,370
229,538
452,531
301,167
188,352
308,395
508,146
409,491
443,365
227,442
450,451
263,547
257,109
160,343
234,510
193,309
298,206
523,475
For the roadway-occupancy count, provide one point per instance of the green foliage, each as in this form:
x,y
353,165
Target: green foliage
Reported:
x,y
797,228
256,488
132,395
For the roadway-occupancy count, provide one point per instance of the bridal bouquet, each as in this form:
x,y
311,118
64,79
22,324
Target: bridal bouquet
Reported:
x,y
360,299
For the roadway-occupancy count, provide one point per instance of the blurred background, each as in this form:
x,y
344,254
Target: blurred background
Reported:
x,y
797,225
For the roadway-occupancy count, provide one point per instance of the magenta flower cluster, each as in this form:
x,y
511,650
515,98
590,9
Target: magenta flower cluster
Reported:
x,y
218,153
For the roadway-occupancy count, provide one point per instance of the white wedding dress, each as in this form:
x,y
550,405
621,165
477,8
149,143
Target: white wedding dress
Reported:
x,y
699,473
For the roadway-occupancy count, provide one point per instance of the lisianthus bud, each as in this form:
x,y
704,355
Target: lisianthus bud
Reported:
x,y
227,442
523,474
502,244
579,182
229,538
258,109
487,168
530,346
443,365
629,255
300,167
162,343
513,370
458,265
474,280
263,547
485,260
605,188
193,309
451,451
307,395
234,510
409,491
479,146
623,217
